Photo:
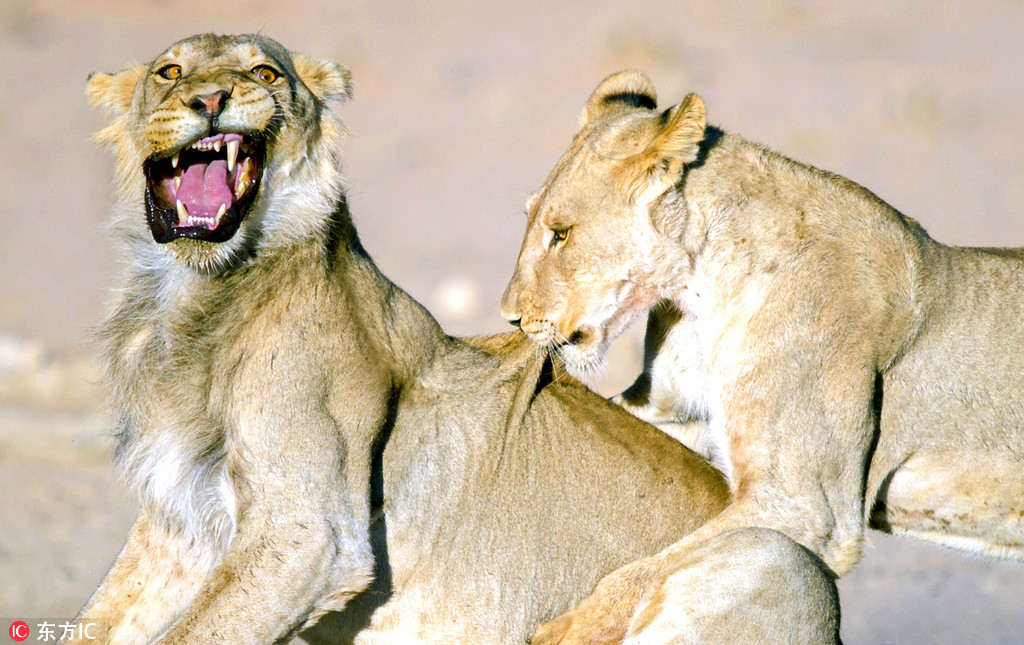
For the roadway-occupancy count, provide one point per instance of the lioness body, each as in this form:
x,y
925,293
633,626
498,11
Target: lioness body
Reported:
x,y
490,519
295,426
843,360
947,463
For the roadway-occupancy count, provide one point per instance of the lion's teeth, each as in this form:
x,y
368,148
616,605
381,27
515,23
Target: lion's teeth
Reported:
x,y
242,181
232,154
220,213
177,183
216,146
182,213
174,160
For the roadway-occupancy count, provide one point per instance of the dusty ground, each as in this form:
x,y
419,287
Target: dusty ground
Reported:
x,y
460,110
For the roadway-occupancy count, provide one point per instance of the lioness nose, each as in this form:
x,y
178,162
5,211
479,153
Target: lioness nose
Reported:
x,y
509,307
210,104
512,315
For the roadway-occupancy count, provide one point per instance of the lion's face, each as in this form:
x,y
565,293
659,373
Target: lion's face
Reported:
x,y
584,270
202,130
578,281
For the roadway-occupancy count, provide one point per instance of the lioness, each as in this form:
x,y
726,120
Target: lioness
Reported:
x,y
295,426
845,363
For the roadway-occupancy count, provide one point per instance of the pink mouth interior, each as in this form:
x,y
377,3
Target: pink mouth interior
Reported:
x,y
206,184
204,187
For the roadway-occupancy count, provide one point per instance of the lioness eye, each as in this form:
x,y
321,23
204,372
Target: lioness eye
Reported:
x,y
265,73
170,72
558,235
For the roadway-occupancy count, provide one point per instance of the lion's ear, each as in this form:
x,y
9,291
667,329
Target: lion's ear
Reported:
x,y
624,89
675,144
113,92
328,81
678,141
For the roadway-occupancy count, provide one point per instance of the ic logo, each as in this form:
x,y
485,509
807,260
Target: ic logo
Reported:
x,y
18,631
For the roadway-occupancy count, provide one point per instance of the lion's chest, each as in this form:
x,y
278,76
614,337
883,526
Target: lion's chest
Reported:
x,y
175,431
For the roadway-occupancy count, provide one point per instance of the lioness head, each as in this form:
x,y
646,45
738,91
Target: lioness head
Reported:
x,y
584,270
215,138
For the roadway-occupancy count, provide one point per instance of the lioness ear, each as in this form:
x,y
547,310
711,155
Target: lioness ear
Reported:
x,y
675,144
679,139
624,89
328,81
113,92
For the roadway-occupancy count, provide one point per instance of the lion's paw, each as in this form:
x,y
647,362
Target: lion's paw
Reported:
x,y
604,617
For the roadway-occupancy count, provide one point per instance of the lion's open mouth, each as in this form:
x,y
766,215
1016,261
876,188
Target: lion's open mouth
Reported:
x,y
204,190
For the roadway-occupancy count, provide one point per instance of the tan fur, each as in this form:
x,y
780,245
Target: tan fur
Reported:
x,y
295,426
846,363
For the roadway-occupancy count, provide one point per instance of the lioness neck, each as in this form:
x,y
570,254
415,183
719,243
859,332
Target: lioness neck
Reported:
x,y
744,212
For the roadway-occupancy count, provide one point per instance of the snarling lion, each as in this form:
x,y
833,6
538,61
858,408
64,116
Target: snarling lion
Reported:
x,y
847,366
309,450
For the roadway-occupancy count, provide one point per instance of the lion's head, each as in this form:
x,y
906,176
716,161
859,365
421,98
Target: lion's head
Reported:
x,y
584,271
212,137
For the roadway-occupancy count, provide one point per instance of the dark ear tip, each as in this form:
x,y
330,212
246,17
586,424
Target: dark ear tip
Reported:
x,y
622,90
632,99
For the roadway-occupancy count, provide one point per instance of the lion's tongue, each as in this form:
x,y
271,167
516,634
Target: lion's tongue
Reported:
x,y
204,187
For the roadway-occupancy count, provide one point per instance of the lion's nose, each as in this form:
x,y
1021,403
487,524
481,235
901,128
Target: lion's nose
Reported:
x,y
510,309
511,313
210,105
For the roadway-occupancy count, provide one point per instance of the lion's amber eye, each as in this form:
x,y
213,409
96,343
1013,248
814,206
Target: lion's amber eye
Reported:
x,y
265,73
558,235
170,72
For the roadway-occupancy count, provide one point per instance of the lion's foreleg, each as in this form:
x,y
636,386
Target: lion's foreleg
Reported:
x,y
647,599
744,586
797,465
301,546
283,569
150,584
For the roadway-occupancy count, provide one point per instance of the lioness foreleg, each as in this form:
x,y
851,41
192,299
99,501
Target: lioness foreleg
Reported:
x,y
277,576
744,586
153,580
797,467
301,546
647,601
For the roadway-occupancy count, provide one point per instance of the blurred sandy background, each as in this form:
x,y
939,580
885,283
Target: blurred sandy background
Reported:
x,y
460,110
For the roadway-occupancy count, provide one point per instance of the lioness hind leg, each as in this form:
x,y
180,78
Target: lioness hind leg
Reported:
x,y
745,586
973,502
152,582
